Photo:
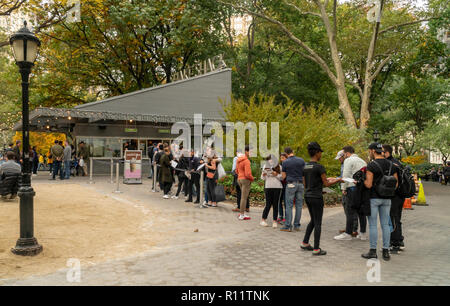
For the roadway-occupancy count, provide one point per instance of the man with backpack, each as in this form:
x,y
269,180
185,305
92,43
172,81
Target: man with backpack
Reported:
x,y
396,203
382,180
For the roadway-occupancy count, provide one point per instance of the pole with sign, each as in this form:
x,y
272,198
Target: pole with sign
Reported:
x,y
133,167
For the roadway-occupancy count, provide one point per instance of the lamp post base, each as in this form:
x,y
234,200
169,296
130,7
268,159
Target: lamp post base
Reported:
x,y
27,247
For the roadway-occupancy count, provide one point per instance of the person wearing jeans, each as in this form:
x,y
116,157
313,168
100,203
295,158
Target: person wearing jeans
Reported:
x,y
379,205
292,169
67,160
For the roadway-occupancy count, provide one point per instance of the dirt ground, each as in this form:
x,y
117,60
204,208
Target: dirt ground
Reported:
x,y
72,221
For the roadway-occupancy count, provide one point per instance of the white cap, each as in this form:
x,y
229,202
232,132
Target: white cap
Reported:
x,y
339,154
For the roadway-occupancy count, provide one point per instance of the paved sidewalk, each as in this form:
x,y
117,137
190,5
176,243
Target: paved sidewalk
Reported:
x,y
226,251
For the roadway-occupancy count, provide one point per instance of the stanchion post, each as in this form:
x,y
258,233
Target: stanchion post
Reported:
x,y
117,178
202,194
112,171
91,166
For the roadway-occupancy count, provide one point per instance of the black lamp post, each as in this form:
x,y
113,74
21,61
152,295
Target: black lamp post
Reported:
x,y
25,47
376,136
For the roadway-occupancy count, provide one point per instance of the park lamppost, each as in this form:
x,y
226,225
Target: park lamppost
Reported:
x,y
376,136
25,48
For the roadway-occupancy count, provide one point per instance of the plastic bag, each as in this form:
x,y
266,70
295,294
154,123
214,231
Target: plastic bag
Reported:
x,y
221,171
81,163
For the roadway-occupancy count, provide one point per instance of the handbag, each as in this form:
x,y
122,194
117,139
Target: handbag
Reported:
x,y
210,175
220,193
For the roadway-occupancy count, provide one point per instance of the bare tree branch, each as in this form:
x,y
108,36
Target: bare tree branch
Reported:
x,y
317,58
300,11
397,26
7,7
355,85
380,66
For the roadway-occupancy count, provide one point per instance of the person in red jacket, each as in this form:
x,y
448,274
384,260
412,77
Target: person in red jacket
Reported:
x,y
245,179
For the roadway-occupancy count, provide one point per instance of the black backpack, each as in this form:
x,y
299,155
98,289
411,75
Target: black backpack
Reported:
x,y
387,184
407,187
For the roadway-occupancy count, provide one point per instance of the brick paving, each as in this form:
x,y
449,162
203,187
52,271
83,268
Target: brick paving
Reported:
x,y
226,251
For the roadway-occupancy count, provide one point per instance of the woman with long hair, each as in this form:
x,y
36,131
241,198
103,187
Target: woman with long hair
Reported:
x,y
271,174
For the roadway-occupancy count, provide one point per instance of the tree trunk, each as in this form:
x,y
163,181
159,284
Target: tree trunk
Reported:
x,y
344,105
365,103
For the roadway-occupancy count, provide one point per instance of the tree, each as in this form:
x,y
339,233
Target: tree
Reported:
x,y
436,137
286,13
276,69
299,125
45,13
123,46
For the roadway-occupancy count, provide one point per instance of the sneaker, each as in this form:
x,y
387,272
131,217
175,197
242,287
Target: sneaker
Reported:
x,y
243,217
372,254
395,250
362,236
285,229
319,252
355,234
174,197
263,223
343,236
166,196
297,228
306,247
235,210
274,224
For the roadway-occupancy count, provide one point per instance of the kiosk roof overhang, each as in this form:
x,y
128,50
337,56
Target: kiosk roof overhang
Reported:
x,y
169,103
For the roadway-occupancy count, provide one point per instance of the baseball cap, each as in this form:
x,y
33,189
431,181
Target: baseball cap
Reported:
x,y
378,147
339,154
314,146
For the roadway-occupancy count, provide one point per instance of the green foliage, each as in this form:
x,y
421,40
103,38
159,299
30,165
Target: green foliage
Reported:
x,y
299,125
123,46
436,136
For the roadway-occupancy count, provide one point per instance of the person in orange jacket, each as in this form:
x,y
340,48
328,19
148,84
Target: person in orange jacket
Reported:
x,y
245,179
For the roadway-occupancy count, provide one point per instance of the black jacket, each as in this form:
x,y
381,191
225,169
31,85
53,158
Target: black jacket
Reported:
x,y
9,183
361,196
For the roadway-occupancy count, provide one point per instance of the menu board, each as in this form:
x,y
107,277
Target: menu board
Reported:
x,y
133,167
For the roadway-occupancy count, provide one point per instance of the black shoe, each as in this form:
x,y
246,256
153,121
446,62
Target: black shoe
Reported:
x,y
319,252
197,202
188,200
401,244
386,255
372,254
306,248
395,249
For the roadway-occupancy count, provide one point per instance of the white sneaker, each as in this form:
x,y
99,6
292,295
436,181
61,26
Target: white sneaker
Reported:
x,y
343,236
175,197
263,223
244,217
274,225
362,236
166,196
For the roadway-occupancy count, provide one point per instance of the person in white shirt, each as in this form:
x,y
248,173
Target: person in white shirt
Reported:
x,y
352,164
271,174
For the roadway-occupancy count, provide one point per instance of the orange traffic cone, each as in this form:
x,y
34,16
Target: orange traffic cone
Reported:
x,y
407,204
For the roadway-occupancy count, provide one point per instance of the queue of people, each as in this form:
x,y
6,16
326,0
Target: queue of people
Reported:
x,y
370,191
